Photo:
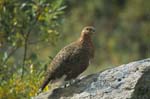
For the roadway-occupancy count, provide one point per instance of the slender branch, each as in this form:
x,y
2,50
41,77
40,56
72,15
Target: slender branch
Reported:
x,y
24,56
25,51
26,37
26,45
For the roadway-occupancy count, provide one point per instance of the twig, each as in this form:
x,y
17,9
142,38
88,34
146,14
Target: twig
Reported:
x,y
26,37
26,49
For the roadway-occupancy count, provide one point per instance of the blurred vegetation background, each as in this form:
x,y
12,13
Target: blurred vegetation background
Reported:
x,y
33,31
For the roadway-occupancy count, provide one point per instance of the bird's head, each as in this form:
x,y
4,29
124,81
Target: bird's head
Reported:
x,y
88,30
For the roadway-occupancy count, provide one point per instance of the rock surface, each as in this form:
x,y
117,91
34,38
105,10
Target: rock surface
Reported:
x,y
128,81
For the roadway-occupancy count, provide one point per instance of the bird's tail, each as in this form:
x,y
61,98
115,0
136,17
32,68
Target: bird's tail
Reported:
x,y
44,84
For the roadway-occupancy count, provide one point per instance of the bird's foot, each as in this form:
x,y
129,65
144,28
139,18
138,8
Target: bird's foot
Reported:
x,y
65,84
69,83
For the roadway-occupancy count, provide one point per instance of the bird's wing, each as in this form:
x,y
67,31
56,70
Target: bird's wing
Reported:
x,y
59,64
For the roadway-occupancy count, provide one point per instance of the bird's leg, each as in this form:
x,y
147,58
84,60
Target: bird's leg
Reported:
x,y
72,81
65,84
69,83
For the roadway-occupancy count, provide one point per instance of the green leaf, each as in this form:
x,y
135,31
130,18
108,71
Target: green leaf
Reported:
x,y
57,4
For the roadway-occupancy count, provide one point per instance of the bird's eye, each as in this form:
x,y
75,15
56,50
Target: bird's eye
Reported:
x,y
87,29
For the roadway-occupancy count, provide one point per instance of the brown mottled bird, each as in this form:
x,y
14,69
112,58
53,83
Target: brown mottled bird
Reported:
x,y
73,59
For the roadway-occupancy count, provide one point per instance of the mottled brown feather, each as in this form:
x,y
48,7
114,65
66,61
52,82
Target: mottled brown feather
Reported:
x,y
73,59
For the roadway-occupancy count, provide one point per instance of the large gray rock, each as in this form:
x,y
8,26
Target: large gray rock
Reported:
x,y
128,81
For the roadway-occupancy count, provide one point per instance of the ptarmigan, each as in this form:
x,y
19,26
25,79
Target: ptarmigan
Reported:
x,y
73,59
